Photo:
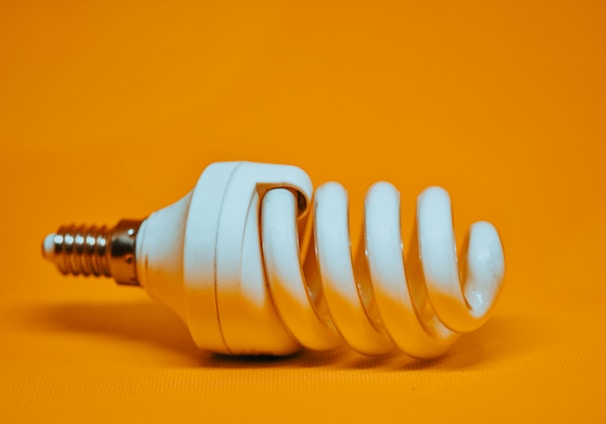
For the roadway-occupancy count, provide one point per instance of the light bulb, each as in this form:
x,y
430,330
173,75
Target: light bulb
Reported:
x,y
237,261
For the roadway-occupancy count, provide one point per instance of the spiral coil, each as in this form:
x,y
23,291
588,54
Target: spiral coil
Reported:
x,y
377,302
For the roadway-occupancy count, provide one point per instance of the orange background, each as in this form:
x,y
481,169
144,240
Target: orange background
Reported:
x,y
112,109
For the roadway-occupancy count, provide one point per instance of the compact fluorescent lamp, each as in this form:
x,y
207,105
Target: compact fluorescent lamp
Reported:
x,y
236,260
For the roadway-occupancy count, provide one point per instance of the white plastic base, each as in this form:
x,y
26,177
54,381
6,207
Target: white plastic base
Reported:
x,y
201,257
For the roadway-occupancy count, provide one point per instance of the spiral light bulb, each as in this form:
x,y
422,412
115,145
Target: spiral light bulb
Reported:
x,y
234,260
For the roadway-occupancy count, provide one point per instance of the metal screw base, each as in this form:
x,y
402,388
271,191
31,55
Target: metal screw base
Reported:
x,y
81,250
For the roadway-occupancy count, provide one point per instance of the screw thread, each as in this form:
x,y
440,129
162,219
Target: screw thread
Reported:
x,y
82,250
98,251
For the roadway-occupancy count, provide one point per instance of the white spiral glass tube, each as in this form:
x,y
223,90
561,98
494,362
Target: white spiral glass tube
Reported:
x,y
378,302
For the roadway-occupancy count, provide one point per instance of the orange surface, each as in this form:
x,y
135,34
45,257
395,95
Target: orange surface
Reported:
x,y
112,109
